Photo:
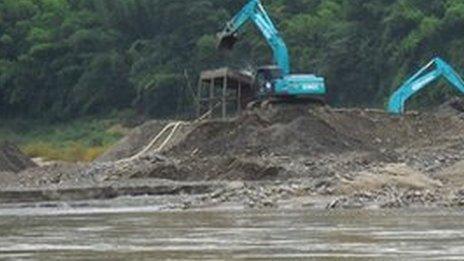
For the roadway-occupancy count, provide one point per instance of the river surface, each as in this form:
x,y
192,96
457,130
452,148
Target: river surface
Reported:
x,y
136,232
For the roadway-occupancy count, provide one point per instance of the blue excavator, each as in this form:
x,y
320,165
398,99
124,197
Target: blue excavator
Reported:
x,y
422,78
274,81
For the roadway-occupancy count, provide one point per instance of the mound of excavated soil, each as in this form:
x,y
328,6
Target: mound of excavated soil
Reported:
x,y
296,130
253,134
12,159
134,142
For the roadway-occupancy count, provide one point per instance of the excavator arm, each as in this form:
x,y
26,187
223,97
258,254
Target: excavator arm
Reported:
x,y
255,12
421,79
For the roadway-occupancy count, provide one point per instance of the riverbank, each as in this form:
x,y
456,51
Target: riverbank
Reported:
x,y
293,156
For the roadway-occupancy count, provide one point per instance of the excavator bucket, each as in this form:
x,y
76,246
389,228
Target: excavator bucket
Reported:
x,y
226,42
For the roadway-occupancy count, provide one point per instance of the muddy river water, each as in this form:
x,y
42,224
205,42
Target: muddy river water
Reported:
x,y
118,231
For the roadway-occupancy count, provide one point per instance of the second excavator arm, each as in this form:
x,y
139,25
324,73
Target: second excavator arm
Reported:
x,y
419,80
255,12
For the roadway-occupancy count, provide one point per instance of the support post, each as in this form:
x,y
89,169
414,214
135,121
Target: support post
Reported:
x,y
211,97
239,97
224,97
199,97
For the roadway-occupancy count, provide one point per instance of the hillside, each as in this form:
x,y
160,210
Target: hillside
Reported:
x,y
61,59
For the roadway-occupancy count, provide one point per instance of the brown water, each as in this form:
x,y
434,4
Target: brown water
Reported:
x,y
105,232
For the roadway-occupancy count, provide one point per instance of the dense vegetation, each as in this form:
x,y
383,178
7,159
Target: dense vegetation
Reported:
x,y
61,59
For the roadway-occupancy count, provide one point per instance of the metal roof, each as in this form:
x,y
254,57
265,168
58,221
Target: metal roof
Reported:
x,y
227,72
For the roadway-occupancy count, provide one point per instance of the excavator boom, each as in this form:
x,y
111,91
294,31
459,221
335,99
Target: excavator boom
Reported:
x,y
420,80
255,12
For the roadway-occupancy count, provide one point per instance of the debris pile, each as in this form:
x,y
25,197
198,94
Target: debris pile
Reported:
x,y
12,159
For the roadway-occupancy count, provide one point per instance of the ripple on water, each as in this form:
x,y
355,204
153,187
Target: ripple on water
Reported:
x,y
135,232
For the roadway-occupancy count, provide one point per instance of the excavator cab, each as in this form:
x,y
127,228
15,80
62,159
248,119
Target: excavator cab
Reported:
x,y
265,79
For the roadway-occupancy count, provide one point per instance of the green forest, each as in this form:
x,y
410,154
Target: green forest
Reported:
x,y
65,59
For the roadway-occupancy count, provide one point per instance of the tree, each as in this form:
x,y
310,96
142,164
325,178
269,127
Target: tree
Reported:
x,y
68,58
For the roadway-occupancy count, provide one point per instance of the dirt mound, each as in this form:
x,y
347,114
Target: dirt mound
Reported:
x,y
312,132
255,135
134,142
12,159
